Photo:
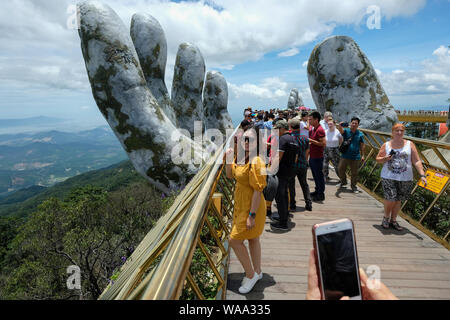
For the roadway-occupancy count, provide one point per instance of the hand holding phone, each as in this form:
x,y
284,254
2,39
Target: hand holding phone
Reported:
x,y
336,260
369,292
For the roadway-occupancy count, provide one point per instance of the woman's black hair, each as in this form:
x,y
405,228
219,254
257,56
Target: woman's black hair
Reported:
x,y
241,150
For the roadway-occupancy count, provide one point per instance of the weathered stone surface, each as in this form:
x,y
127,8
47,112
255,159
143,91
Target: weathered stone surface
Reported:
x,y
343,81
295,100
151,46
187,86
121,93
215,101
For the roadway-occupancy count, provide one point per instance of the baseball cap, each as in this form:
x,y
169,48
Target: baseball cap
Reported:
x,y
281,124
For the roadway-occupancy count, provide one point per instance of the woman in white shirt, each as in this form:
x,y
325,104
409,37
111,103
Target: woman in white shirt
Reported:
x,y
331,152
304,124
397,156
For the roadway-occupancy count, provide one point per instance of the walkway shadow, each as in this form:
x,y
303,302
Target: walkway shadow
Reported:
x,y
342,190
235,279
391,231
291,225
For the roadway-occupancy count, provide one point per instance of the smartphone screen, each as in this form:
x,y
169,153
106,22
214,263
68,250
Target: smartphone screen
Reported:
x,y
338,264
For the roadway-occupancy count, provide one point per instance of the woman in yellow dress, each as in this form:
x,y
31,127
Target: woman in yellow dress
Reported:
x,y
249,207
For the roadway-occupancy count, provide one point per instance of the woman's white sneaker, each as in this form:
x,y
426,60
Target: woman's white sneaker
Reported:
x,y
260,276
248,284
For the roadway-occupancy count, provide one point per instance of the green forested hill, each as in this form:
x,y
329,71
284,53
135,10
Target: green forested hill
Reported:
x,y
111,178
46,158
93,221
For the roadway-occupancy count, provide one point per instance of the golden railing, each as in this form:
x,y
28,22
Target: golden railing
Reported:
x,y
185,255
428,211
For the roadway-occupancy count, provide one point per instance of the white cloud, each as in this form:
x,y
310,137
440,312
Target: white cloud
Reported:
x,y
431,76
38,50
268,89
289,53
305,64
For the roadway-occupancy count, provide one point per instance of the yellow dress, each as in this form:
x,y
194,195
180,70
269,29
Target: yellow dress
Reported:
x,y
246,183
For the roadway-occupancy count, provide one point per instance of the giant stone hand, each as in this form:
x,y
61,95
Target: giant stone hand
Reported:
x,y
343,81
126,73
295,99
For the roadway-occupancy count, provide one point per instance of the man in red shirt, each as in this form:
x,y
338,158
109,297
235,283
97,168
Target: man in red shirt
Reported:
x,y
318,142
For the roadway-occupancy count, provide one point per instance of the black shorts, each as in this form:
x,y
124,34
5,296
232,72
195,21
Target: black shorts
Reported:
x,y
395,190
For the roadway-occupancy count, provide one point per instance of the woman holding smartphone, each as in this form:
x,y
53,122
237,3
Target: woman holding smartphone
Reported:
x,y
249,208
397,156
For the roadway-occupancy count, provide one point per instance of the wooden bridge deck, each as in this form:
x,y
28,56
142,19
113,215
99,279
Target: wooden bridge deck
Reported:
x,y
412,265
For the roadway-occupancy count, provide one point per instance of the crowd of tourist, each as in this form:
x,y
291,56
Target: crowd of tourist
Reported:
x,y
300,140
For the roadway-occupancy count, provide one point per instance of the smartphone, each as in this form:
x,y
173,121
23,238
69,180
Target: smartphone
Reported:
x,y
337,259
345,125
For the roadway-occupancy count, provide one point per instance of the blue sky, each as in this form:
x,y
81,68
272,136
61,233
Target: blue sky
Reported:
x,y
261,50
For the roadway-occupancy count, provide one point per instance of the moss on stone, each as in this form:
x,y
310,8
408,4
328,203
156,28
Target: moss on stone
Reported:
x,y
322,78
333,82
373,101
379,89
340,49
208,88
136,139
179,73
316,86
156,51
384,100
361,82
329,104
313,61
120,54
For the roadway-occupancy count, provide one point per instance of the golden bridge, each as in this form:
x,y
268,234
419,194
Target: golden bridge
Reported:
x,y
423,116
186,255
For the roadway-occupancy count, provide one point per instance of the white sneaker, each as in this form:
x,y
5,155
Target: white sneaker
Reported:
x,y
260,276
248,284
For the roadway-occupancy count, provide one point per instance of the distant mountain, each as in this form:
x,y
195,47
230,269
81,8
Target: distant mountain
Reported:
x,y
34,121
23,202
22,195
98,136
46,158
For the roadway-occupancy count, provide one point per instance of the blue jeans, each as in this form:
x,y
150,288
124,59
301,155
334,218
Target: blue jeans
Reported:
x,y
316,166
